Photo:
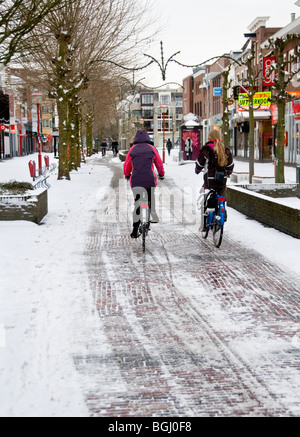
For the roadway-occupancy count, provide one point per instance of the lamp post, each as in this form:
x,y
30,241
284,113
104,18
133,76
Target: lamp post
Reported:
x,y
37,99
164,110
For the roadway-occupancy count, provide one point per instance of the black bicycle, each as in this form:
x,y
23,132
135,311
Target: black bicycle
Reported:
x,y
144,218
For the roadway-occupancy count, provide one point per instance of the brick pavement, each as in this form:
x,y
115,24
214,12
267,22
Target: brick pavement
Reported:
x,y
192,330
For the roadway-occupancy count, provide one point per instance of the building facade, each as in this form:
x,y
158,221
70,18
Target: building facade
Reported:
x,y
159,112
19,120
206,99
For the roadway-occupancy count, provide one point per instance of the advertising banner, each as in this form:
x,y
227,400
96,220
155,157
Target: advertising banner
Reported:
x,y
190,144
261,101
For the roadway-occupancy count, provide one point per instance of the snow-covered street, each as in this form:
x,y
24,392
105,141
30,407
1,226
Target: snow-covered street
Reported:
x,y
91,326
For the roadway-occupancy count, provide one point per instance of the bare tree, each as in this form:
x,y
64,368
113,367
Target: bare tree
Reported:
x,y
251,85
17,19
71,47
285,71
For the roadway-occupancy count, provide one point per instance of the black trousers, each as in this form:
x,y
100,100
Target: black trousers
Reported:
x,y
138,192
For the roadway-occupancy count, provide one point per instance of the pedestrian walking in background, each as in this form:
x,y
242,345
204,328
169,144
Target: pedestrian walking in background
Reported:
x,y
104,147
169,146
114,146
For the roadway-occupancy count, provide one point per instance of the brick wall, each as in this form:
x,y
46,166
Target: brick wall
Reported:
x,y
32,207
265,209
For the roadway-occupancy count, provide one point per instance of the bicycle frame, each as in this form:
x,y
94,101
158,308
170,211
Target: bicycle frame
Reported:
x,y
216,214
215,219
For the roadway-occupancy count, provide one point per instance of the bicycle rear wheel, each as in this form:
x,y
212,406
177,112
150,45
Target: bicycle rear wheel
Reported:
x,y
205,233
218,234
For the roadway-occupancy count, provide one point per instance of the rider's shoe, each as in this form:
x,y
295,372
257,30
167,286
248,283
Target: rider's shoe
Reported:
x,y
154,217
135,232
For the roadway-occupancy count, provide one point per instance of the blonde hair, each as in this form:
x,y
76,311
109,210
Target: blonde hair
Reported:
x,y
215,136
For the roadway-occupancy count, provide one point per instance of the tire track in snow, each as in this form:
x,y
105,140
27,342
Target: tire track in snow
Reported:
x,y
170,355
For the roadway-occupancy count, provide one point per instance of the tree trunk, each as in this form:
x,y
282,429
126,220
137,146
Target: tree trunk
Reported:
x,y
73,135
251,93
63,168
281,102
62,107
280,143
251,140
225,118
89,135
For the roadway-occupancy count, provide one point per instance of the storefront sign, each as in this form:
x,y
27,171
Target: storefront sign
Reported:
x,y
269,76
261,101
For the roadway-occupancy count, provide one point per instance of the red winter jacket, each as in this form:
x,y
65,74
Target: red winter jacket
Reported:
x,y
140,162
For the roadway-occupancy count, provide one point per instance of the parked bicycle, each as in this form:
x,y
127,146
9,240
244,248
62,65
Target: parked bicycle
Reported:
x,y
214,215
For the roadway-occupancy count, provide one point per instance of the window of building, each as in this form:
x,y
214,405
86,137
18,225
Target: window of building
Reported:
x,y
47,123
46,109
147,112
147,99
148,125
165,99
178,100
168,125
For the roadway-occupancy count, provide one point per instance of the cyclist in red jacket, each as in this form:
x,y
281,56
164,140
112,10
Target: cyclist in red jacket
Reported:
x,y
139,168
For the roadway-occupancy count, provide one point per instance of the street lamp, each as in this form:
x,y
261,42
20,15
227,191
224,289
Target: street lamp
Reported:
x,y
164,110
37,99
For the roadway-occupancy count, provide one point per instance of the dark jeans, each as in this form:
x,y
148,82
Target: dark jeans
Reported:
x,y
137,194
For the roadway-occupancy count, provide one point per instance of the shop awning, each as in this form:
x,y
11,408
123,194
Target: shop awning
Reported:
x,y
258,115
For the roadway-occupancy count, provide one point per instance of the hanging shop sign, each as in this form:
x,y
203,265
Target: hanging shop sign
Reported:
x,y
261,101
269,62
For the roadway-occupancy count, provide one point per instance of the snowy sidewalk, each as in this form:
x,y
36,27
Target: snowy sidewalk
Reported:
x,y
93,327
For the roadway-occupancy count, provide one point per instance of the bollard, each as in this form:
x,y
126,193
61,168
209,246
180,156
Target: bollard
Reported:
x,y
47,162
32,169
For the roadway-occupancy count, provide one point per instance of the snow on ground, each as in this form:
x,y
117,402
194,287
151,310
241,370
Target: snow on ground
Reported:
x,y
276,246
44,293
46,307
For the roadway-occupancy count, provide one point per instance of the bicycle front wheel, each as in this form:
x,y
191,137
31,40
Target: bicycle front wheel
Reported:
x,y
218,234
144,234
